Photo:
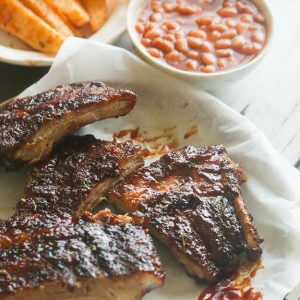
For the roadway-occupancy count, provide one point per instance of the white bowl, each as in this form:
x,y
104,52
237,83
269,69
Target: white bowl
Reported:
x,y
14,51
204,80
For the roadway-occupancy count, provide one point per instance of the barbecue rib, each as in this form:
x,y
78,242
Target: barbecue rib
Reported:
x,y
190,199
77,175
61,257
32,125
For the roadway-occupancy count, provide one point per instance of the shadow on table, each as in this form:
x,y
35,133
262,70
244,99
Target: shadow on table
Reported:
x,y
14,79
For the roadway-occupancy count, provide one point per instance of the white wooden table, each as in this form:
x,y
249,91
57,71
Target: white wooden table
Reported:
x,y
270,95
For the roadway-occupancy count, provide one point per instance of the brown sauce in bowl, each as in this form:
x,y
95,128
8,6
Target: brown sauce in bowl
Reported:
x,y
202,35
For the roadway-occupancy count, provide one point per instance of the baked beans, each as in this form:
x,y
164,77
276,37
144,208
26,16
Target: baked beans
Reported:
x,y
202,36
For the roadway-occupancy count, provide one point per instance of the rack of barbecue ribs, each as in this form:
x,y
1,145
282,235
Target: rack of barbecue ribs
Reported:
x,y
30,126
90,257
77,175
190,199
51,248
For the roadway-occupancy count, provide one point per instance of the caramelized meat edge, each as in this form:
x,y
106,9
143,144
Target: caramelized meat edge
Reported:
x,y
77,175
191,200
43,256
30,126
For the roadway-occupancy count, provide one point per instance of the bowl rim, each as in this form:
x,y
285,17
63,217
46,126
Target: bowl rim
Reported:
x,y
39,59
30,58
263,6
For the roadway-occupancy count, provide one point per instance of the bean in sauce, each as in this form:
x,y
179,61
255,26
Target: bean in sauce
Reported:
x,y
202,35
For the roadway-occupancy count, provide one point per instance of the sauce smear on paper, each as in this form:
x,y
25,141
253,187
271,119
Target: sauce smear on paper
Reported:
x,y
133,133
153,145
192,131
236,288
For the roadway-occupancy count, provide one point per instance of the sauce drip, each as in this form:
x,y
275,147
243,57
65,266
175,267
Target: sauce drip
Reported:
x,y
154,145
192,131
236,288
133,134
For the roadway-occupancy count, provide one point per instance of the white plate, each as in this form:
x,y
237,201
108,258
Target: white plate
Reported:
x,y
271,193
14,51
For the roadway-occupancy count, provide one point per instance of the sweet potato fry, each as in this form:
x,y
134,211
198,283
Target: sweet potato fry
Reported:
x,y
97,11
75,30
17,19
44,11
86,31
72,9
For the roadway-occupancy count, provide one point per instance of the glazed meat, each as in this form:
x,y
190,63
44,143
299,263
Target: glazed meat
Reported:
x,y
77,175
61,257
190,199
30,126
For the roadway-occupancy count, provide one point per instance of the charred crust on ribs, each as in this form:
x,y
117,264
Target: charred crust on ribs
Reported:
x,y
190,199
77,175
31,125
40,249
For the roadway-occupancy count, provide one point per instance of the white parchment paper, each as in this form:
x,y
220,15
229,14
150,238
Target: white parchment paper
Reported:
x,y
271,193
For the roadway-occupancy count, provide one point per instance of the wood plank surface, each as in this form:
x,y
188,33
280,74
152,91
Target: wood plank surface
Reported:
x,y
270,96
14,79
